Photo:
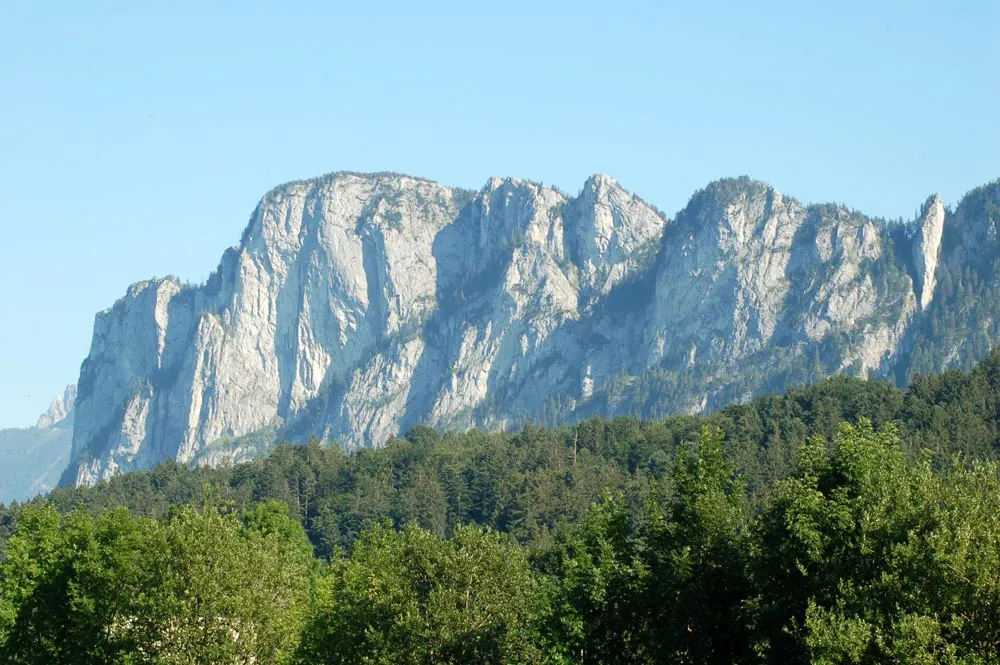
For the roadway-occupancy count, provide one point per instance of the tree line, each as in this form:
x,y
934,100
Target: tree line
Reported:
x,y
859,555
530,483
769,532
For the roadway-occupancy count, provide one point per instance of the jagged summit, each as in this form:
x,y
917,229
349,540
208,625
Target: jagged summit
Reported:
x,y
60,411
726,191
358,305
980,205
978,196
932,201
927,248
598,182
327,178
972,232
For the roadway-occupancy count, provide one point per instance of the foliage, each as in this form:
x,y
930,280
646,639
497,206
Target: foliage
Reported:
x,y
410,597
860,555
199,586
667,585
772,532
530,483
864,558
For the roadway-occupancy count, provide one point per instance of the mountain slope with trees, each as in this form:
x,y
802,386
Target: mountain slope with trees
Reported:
x,y
607,542
528,483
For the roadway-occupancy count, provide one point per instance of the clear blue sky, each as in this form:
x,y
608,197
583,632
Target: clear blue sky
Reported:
x,y
135,143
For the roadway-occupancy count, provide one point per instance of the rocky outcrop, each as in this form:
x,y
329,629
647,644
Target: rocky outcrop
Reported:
x,y
927,248
745,271
60,411
358,305
722,283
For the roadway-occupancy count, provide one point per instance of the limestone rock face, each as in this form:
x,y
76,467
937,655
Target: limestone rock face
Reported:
x,y
722,281
609,229
60,412
927,249
359,305
747,275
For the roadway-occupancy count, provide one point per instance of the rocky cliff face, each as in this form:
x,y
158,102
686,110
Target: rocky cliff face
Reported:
x,y
359,305
60,412
927,249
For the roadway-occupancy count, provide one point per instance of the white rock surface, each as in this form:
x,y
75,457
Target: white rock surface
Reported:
x,y
359,305
927,248
60,411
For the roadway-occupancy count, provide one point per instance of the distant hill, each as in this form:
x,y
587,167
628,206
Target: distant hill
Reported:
x,y
33,458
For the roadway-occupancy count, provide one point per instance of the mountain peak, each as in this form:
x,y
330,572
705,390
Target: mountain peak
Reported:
x,y
60,411
981,201
932,203
361,304
599,181
730,189
335,176
927,248
741,201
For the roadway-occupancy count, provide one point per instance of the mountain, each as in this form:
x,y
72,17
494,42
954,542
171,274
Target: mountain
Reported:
x,y
359,305
32,459
529,481
60,412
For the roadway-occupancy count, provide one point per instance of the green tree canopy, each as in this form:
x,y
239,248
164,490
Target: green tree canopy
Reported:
x,y
200,586
411,597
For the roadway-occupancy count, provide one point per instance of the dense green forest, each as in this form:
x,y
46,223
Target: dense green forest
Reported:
x,y
846,522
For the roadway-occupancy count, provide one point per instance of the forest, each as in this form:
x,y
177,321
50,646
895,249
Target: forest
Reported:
x,y
843,522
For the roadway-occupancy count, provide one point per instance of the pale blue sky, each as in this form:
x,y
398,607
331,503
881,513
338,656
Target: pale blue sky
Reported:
x,y
135,143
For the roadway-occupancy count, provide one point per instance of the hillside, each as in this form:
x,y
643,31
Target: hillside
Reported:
x,y
528,483
32,459
626,542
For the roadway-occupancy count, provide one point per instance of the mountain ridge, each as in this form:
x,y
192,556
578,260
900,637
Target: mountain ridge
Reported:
x,y
357,305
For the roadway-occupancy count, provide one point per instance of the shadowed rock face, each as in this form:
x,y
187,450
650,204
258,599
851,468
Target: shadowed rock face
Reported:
x,y
358,305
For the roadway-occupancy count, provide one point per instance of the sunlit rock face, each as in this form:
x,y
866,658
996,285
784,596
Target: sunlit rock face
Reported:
x,y
745,271
60,411
358,305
